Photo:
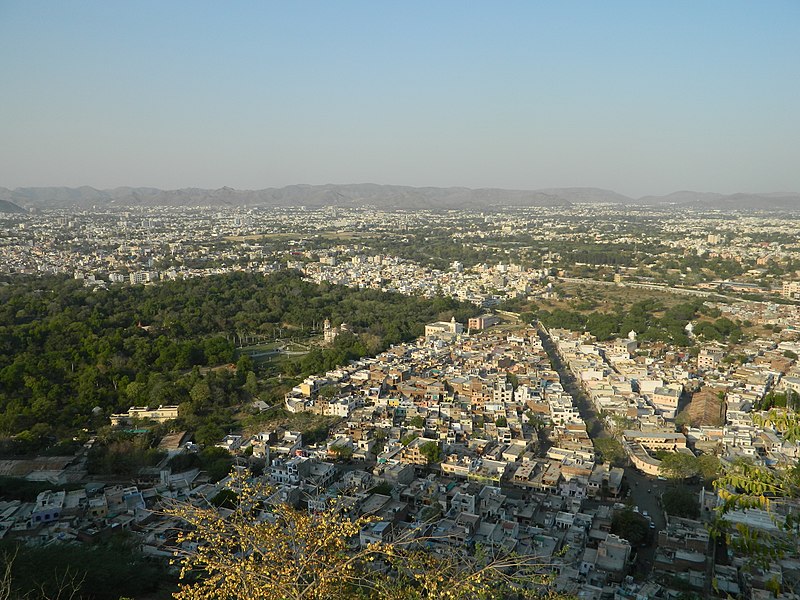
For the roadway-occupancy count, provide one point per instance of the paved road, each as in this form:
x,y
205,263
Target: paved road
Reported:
x,y
646,495
645,490
585,407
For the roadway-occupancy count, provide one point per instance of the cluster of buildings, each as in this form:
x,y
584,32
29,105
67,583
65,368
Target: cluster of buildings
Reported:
x,y
85,511
140,246
637,395
468,435
483,285
513,466
145,244
644,392
516,465
466,438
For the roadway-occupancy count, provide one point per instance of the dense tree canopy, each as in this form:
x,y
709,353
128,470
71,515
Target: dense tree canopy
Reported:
x,y
684,465
66,570
66,350
642,317
631,526
681,502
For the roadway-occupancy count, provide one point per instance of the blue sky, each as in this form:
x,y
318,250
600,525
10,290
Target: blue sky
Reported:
x,y
640,97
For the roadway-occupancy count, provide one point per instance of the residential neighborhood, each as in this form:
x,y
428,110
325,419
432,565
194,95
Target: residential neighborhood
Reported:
x,y
472,438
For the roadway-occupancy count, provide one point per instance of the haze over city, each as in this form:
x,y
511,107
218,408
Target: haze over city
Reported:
x,y
367,300
639,98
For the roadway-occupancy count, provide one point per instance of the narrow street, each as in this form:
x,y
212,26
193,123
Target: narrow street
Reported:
x,y
585,407
646,495
645,491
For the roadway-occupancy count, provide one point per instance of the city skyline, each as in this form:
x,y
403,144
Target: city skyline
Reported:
x,y
639,99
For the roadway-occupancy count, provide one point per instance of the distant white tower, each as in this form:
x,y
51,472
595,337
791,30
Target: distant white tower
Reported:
x,y
327,333
632,335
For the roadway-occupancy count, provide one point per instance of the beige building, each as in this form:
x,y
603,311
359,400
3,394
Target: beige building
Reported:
x,y
790,289
666,399
444,328
709,359
411,453
483,321
160,414
656,441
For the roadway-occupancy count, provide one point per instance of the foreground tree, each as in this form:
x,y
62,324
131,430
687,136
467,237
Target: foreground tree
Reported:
x,y
60,571
785,422
280,553
746,486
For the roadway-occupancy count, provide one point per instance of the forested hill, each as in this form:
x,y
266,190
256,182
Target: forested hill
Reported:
x,y
10,207
65,349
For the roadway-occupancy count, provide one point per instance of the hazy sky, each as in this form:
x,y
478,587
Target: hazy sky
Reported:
x,y
640,97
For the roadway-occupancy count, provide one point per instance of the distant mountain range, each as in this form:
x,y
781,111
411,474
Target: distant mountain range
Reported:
x,y
383,196
710,200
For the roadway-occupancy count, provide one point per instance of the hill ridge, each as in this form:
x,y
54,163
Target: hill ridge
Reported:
x,y
382,196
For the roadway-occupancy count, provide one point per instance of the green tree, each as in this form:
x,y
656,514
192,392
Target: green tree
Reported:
x,y
328,391
417,421
679,465
431,451
709,467
208,434
200,393
619,424
631,526
513,380
680,502
216,462
342,452
406,440
610,450
243,366
251,383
